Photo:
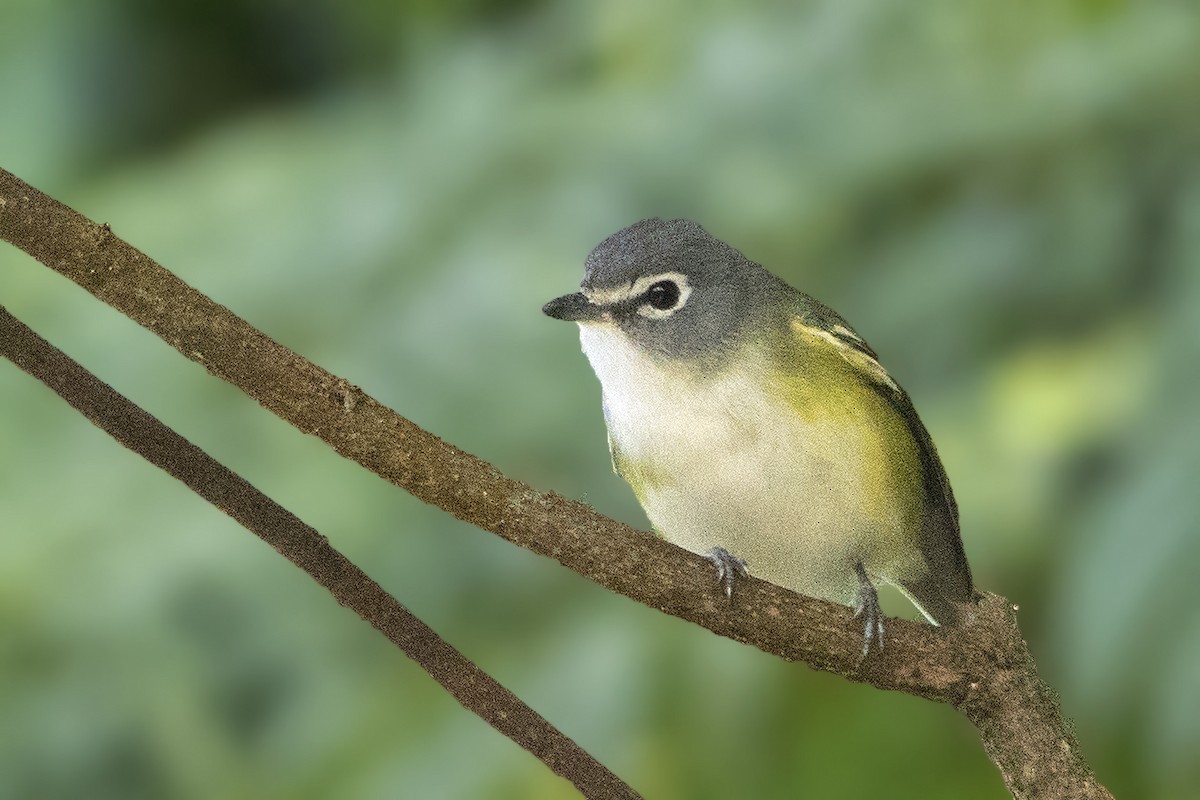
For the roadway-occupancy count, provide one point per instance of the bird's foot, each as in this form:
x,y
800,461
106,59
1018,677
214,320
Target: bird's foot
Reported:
x,y
729,568
866,605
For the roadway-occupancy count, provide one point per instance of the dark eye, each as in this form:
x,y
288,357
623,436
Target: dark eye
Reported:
x,y
663,295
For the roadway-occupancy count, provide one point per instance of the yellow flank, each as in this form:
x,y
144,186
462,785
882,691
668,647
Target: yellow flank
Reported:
x,y
821,379
641,476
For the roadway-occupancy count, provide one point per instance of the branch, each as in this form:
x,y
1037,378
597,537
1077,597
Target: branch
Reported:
x,y
985,670
144,434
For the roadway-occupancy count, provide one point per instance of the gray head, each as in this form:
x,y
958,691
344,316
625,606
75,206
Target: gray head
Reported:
x,y
671,287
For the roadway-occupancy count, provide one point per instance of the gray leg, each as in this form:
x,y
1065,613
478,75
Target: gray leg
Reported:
x,y
867,607
729,568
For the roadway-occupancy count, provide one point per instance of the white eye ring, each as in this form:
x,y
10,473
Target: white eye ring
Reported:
x,y
642,285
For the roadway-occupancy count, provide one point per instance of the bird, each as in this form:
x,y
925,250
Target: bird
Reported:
x,y
757,428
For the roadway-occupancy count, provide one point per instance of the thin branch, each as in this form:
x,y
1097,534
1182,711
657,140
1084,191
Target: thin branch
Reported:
x,y
984,670
144,434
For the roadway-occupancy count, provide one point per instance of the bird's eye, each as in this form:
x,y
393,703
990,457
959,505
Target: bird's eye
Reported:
x,y
663,295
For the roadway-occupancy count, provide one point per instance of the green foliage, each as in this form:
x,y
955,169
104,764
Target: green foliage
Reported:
x,y
1004,199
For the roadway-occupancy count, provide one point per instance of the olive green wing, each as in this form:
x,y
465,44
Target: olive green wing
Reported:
x,y
948,585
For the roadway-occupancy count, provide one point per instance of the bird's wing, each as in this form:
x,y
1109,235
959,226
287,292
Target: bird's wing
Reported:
x,y
950,577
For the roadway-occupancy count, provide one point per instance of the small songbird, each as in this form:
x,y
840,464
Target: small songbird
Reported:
x,y
756,427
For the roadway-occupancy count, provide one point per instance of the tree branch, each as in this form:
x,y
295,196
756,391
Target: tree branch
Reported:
x,y
985,670
147,436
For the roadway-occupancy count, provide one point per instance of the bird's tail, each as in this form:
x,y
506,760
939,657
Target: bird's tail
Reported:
x,y
931,600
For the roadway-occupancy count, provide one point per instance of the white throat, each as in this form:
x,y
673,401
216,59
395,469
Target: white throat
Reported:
x,y
637,388
663,413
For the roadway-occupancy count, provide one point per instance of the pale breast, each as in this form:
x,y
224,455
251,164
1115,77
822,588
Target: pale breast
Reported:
x,y
720,462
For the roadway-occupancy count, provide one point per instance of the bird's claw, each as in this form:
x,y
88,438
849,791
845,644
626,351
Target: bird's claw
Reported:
x,y
729,568
867,606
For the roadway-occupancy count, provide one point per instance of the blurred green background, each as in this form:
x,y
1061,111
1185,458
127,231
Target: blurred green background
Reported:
x,y
1003,198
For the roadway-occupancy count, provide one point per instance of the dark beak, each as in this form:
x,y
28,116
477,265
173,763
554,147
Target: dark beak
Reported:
x,y
574,308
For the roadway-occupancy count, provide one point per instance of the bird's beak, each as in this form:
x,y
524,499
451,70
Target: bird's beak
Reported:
x,y
574,308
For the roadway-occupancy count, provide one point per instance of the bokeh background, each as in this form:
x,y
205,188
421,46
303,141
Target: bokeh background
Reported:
x,y
1003,198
